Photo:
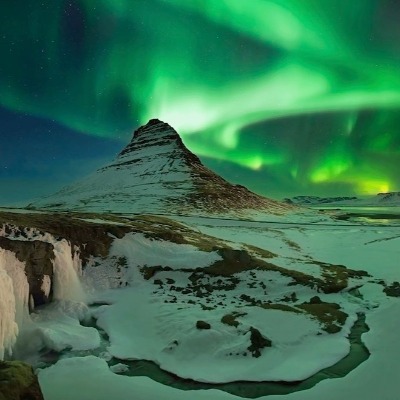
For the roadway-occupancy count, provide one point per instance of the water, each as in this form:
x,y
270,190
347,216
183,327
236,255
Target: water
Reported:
x,y
366,215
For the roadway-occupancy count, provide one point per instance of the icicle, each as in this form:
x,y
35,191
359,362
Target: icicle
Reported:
x,y
8,326
46,285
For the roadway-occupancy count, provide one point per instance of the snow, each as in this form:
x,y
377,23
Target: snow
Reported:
x,y
375,250
361,246
141,326
119,368
92,379
57,327
151,252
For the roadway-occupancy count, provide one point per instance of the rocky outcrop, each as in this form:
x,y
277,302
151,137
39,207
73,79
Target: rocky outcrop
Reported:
x,y
37,256
393,290
18,382
258,342
92,239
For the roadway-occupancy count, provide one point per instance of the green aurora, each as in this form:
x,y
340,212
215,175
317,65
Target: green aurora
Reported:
x,y
284,96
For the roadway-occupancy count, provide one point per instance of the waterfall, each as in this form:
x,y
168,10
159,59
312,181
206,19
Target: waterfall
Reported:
x,y
14,297
67,268
15,321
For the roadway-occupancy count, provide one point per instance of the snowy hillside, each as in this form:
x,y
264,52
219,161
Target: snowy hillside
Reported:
x,y
156,173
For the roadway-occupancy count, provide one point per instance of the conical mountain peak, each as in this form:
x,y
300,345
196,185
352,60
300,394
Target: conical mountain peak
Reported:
x,y
156,173
161,137
153,126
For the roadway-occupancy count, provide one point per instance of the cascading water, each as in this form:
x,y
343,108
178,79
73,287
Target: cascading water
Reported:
x,y
67,268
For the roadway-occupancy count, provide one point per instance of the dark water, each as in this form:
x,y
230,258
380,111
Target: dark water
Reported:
x,y
366,215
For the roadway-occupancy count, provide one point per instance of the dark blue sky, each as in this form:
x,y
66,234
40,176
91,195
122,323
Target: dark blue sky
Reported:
x,y
39,156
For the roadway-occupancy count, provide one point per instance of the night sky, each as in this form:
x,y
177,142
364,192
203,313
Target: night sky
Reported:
x,y
284,96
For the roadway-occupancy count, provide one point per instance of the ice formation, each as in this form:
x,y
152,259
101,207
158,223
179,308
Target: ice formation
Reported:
x,y
14,297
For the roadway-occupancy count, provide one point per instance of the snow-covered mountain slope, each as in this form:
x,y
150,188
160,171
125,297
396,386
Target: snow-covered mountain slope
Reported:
x,y
379,200
156,173
388,199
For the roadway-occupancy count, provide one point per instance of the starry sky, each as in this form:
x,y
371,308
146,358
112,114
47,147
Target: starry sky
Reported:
x,y
286,97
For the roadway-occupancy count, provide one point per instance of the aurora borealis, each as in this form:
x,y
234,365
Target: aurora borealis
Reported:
x,y
285,96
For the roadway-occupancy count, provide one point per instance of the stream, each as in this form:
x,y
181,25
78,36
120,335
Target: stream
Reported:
x,y
246,389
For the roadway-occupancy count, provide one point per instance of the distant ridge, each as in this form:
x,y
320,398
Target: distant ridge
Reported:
x,y
156,173
381,199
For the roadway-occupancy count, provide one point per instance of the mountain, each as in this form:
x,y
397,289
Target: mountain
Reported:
x,y
156,173
390,199
315,200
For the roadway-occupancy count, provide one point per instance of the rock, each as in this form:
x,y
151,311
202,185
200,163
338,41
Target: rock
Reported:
x,y
393,290
258,342
315,300
38,257
119,368
202,325
332,328
18,382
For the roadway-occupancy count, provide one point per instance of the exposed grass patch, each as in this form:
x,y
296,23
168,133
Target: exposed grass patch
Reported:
x,y
230,319
328,314
280,307
259,252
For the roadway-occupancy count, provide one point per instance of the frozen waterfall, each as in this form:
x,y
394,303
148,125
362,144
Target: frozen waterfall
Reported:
x,y
14,295
14,291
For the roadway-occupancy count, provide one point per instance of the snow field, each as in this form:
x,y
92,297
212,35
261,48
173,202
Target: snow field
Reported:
x,y
153,321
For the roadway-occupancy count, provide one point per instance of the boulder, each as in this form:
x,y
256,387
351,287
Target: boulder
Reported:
x,y
202,325
18,382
